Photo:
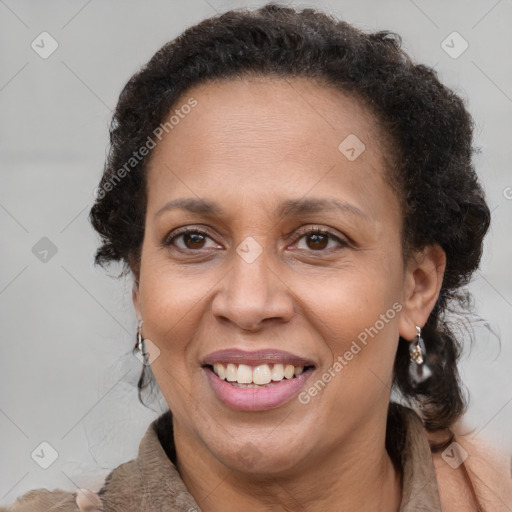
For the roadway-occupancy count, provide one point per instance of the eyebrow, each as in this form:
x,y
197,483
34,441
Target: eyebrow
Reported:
x,y
288,208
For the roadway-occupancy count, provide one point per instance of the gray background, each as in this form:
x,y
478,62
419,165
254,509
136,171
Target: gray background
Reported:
x,y
67,374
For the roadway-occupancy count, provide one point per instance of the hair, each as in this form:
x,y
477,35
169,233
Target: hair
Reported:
x,y
427,124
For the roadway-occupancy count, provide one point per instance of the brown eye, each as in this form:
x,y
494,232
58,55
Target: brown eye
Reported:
x,y
193,240
190,240
317,241
320,240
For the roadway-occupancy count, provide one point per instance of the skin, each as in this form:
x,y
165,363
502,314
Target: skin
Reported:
x,y
249,145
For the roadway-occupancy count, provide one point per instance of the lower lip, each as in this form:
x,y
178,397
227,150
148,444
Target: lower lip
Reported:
x,y
257,399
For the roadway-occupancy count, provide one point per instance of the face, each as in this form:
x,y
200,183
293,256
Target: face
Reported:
x,y
272,245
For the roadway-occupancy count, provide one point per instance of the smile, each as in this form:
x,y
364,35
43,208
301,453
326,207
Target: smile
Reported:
x,y
249,376
256,381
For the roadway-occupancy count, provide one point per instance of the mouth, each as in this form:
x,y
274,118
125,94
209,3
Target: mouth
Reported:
x,y
254,377
256,381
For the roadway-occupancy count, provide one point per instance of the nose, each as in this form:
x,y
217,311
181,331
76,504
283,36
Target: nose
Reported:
x,y
251,294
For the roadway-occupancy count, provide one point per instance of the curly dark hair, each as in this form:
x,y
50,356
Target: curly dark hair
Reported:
x,y
430,164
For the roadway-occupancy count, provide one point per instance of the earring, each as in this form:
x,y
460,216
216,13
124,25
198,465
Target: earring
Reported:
x,y
418,368
140,343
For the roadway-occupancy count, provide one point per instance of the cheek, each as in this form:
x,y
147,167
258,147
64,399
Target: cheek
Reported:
x,y
169,292
171,314
356,313
171,309
352,298
361,336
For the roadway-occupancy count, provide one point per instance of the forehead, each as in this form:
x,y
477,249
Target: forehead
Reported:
x,y
268,136
249,107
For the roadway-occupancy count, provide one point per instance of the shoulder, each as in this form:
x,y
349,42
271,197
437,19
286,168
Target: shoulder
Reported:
x,y
39,500
481,463
57,500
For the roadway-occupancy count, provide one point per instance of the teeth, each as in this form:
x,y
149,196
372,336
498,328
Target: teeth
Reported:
x,y
278,372
231,372
244,374
289,371
257,376
261,374
219,370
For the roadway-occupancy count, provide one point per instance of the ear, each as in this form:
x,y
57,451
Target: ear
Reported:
x,y
136,300
422,284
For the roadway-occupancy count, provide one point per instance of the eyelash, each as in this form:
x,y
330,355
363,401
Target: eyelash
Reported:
x,y
302,233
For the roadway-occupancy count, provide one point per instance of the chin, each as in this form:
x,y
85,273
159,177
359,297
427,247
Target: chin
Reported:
x,y
264,454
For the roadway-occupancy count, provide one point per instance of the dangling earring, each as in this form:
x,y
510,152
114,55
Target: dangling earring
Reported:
x,y
418,368
140,343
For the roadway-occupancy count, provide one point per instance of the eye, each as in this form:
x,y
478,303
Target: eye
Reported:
x,y
189,239
314,239
317,240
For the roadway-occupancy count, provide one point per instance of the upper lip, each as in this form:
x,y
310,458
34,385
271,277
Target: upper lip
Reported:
x,y
255,358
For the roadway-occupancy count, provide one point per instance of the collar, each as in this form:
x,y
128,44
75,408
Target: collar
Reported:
x,y
151,482
419,485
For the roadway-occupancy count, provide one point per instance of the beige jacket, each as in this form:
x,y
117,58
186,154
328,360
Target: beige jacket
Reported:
x,y
151,483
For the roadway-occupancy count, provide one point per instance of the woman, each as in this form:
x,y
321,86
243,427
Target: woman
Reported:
x,y
297,204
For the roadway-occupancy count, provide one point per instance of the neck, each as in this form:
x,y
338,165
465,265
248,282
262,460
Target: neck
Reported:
x,y
356,476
